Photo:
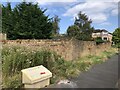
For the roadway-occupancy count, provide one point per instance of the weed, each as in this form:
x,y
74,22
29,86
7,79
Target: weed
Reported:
x,y
16,58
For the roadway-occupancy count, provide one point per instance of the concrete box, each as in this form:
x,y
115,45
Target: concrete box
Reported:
x,y
36,77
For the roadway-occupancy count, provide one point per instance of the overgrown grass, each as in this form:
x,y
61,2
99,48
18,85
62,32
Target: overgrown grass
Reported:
x,y
12,81
16,58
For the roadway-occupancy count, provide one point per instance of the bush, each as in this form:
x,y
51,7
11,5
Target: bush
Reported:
x,y
117,45
12,81
16,58
99,40
73,31
116,37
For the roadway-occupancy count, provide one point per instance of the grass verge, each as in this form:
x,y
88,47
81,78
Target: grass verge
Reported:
x,y
16,58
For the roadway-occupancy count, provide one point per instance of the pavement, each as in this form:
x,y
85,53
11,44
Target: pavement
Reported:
x,y
103,75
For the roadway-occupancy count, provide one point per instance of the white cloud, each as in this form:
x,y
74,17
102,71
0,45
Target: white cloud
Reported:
x,y
114,12
97,11
102,0
98,17
11,0
45,2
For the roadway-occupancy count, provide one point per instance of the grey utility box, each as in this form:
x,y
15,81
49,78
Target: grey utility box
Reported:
x,y
36,77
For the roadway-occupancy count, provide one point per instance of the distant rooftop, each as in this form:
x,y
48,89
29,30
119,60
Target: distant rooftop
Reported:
x,y
98,30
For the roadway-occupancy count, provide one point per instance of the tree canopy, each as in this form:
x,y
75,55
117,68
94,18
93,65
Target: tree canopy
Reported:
x,y
116,37
26,21
55,23
84,24
73,31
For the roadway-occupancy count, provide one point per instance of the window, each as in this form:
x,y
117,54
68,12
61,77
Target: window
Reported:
x,y
105,38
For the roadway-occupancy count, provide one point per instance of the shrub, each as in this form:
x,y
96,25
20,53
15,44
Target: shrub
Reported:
x,y
16,58
117,45
12,81
73,31
99,40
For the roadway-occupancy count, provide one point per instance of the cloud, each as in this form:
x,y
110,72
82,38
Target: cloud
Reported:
x,y
47,2
102,1
29,1
98,17
114,12
97,11
11,0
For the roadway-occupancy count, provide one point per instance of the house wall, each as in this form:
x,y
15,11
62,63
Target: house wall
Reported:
x,y
102,35
110,37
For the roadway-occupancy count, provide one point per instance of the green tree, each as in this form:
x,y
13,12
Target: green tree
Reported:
x,y
73,31
99,40
7,21
84,23
116,37
55,24
26,21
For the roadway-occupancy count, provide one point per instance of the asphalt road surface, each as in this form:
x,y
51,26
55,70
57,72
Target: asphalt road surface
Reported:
x,y
103,75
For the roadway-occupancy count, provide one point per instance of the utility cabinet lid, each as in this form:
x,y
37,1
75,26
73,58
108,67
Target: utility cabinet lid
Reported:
x,y
35,74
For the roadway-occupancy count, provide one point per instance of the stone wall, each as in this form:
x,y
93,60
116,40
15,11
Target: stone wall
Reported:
x,y
83,48
69,49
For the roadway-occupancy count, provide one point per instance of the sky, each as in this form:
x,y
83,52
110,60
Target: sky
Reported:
x,y
104,14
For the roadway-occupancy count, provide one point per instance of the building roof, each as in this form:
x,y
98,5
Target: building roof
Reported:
x,y
98,30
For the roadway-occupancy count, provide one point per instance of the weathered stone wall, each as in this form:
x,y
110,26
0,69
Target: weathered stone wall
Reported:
x,y
83,48
69,49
